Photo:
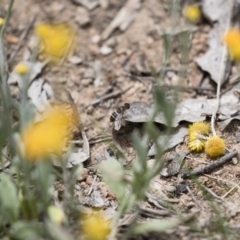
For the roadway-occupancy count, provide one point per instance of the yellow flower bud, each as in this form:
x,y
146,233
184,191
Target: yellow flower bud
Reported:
x,y
21,68
192,13
56,214
232,41
214,146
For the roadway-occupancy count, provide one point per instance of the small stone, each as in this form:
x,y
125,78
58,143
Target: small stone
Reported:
x,y
175,80
83,175
89,73
170,74
170,188
75,60
105,50
235,161
96,39
164,172
93,49
82,16
86,81
83,185
89,180
111,42
89,110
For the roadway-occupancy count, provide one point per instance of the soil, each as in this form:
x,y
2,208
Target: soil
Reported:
x,y
126,73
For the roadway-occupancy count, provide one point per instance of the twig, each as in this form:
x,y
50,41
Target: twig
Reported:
x,y
227,181
221,72
228,192
182,88
107,96
220,179
94,180
92,142
22,37
193,197
211,166
152,213
218,198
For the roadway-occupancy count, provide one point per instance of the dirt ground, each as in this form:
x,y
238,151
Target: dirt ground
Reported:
x,y
118,70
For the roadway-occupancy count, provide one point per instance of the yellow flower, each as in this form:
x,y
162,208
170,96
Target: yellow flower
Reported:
x,y
200,127
95,227
196,145
21,68
192,13
49,135
56,214
232,40
55,40
214,146
1,21
197,132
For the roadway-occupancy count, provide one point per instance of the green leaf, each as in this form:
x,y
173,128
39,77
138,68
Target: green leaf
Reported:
x,y
29,209
9,203
156,225
57,232
113,175
26,230
44,179
141,148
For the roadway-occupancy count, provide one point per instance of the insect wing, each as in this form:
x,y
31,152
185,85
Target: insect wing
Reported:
x,y
118,122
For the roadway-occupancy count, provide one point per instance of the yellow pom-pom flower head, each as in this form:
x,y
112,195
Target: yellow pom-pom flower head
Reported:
x,y
55,40
197,135
192,13
95,227
214,146
47,136
232,41
200,127
21,68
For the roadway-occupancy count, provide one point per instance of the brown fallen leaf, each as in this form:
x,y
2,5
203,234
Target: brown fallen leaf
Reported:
x,y
123,19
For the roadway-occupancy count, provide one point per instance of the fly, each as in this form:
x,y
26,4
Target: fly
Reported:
x,y
117,116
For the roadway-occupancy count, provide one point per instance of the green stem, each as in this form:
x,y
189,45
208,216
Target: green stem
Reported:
x,y
4,89
9,11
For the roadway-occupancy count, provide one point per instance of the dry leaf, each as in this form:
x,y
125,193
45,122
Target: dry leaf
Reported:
x,y
169,141
123,19
88,4
41,94
216,10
